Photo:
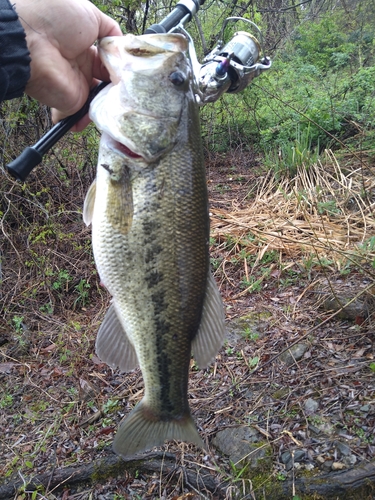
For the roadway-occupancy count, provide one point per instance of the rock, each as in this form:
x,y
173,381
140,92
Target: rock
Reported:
x,y
322,425
327,465
365,408
299,455
343,448
314,429
309,466
294,354
350,460
311,406
338,466
243,446
351,311
292,459
285,457
252,326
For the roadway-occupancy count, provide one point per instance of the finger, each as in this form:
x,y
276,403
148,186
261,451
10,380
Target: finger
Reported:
x,y
107,26
99,71
81,124
58,115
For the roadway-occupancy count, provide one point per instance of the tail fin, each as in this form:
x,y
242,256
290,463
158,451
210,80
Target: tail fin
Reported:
x,y
140,431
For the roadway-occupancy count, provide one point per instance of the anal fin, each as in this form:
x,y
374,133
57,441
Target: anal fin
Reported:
x,y
113,345
212,329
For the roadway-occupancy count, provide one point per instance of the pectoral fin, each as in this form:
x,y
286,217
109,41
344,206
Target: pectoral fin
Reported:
x,y
212,329
113,345
88,205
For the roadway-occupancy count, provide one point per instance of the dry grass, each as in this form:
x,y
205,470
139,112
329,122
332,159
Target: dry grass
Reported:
x,y
321,211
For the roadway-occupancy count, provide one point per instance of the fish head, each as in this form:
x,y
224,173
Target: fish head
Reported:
x,y
141,109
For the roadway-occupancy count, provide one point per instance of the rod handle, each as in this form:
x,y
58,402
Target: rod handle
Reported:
x,y
21,166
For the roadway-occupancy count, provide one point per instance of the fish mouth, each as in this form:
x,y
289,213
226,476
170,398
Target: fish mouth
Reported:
x,y
119,147
125,150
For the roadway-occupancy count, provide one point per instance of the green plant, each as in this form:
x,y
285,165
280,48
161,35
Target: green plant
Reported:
x,y
252,284
292,154
215,263
253,361
46,308
110,406
18,323
281,476
62,280
6,401
82,288
237,472
328,208
249,334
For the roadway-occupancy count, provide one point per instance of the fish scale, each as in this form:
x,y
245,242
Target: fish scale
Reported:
x,y
150,232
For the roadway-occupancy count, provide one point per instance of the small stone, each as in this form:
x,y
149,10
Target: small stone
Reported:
x,y
295,353
314,429
302,434
343,448
338,466
350,460
309,466
311,406
299,455
365,408
320,459
327,465
285,457
242,445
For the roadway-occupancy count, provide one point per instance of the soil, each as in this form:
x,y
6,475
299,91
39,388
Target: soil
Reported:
x,y
60,405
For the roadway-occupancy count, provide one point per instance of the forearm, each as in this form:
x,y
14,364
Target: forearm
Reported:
x,y
14,54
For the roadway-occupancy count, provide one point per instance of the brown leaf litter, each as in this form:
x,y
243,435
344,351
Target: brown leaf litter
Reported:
x,y
60,405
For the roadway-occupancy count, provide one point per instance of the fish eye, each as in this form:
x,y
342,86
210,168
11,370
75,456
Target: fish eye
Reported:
x,y
177,78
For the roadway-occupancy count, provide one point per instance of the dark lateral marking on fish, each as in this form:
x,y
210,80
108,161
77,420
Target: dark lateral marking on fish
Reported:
x,y
153,278
152,252
162,328
151,230
158,302
166,403
149,226
164,364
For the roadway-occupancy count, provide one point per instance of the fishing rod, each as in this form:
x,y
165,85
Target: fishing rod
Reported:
x,y
229,67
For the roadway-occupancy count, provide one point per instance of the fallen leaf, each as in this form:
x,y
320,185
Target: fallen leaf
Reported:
x,y
7,367
49,348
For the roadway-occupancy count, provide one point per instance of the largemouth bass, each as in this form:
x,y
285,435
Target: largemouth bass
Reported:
x,y
150,231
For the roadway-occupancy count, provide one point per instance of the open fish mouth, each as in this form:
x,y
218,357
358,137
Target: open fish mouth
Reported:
x,y
120,148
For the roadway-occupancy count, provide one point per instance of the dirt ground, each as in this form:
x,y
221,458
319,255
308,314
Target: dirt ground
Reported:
x,y
60,405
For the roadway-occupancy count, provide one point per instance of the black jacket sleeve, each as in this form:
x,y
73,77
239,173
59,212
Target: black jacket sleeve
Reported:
x,y
14,55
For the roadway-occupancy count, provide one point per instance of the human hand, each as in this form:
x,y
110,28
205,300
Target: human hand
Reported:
x,y
64,63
